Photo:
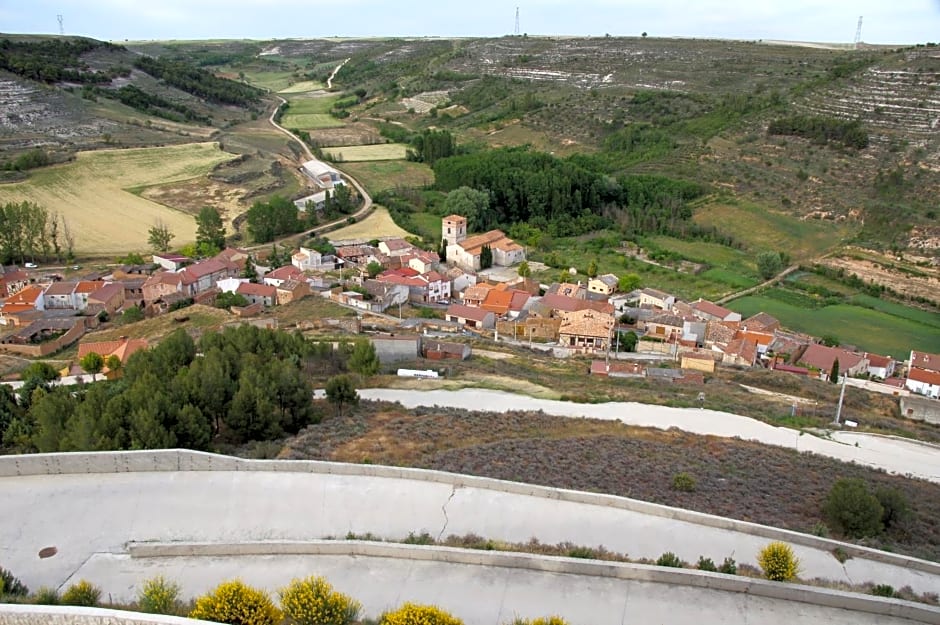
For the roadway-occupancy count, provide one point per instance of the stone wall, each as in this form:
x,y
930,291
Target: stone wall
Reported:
x,y
13,614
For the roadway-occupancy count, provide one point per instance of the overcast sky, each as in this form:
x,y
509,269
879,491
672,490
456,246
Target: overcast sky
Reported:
x,y
886,21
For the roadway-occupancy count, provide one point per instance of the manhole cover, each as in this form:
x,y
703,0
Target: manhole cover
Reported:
x,y
48,552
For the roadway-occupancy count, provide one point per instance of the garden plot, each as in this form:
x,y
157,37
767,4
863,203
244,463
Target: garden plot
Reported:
x,y
378,152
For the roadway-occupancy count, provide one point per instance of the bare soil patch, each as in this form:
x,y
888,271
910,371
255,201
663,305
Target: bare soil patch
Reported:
x,y
910,281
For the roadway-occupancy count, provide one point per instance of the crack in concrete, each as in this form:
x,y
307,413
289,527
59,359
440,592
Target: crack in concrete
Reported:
x,y
444,510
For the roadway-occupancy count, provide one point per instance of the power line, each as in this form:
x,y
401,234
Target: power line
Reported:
x,y
858,31
61,27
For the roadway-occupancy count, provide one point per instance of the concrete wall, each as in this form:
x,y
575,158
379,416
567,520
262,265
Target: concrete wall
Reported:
x,y
877,387
12,614
920,409
396,349
49,347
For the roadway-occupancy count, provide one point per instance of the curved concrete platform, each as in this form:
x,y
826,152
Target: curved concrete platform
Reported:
x,y
92,506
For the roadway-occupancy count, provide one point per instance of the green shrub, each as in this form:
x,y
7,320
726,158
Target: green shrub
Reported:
x,y
683,482
585,553
669,559
778,562
728,567
312,601
894,506
10,585
852,509
46,596
884,590
83,593
841,555
236,603
706,564
159,596
415,614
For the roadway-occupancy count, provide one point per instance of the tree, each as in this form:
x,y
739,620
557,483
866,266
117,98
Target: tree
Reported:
x,y
229,299
894,504
92,362
159,236
374,268
210,231
312,601
132,315
628,340
830,340
778,562
592,269
524,271
267,220
834,371
769,264
442,251
237,603
249,272
486,257
339,391
113,362
470,203
363,359
851,509
629,282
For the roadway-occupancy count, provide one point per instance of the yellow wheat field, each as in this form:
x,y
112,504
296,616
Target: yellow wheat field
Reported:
x,y
95,194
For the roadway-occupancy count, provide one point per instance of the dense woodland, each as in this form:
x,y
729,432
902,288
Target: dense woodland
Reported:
x,y
238,385
57,60
199,82
567,197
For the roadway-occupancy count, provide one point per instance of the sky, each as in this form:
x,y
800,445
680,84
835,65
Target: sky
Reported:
x,y
885,21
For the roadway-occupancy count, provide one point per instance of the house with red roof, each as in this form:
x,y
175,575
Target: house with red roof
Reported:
x,y
282,274
109,298
161,285
923,360
923,382
122,349
821,357
12,281
471,317
263,294
203,275
23,306
881,367
708,311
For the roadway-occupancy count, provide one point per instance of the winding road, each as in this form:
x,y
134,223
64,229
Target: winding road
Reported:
x,y
308,156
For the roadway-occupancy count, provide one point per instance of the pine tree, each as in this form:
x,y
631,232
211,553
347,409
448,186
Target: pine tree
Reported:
x,y
834,372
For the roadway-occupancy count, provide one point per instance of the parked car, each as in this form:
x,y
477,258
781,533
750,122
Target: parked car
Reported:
x,y
30,265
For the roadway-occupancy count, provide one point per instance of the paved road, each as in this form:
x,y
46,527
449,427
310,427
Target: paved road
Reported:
x,y
891,454
99,513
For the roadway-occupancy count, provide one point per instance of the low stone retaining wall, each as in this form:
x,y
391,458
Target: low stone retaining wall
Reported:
x,y
185,460
14,614
823,597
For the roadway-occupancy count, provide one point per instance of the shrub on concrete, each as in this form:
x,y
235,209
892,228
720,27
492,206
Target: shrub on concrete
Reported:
x,y
669,559
852,509
728,567
706,564
10,585
415,614
159,596
312,601
683,482
884,590
542,620
236,603
778,562
46,596
82,593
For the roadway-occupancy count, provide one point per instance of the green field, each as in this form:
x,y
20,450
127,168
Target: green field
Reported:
x,y
379,176
377,152
761,229
898,310
428,225
713,254
303,87
729,277
870,330
273,81
310,113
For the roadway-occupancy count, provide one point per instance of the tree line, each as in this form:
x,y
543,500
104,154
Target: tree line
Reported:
x,y
57,60
146,102
29,231
238,385
199,82
822,130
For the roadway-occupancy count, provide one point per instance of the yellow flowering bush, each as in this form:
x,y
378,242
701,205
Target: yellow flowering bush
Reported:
x,y
414,614
159,596
236,603
778,562
312,601
82,593
543,620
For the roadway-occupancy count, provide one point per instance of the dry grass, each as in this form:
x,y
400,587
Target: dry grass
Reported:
x,y
196,319
738,479
94,193
379,176
303,87
378,224
378,152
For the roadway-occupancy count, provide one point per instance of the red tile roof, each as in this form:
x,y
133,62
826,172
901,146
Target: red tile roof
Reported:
x,y
821,357
467,312
924,360
874,360
258,290
86,286
924,376
203,268
122,348
107,291
287,272
61,288
709,308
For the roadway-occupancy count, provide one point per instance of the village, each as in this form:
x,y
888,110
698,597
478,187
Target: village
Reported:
x,y
482,288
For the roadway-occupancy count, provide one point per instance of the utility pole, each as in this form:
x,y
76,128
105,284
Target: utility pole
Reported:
x,y
841,399
858,32
61,27
517,22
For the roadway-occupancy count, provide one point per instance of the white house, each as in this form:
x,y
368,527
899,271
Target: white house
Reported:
x,y
230,285
923,382
465,252
657,299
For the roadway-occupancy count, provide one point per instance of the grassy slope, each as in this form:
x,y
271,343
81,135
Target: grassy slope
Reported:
x,y
92,193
